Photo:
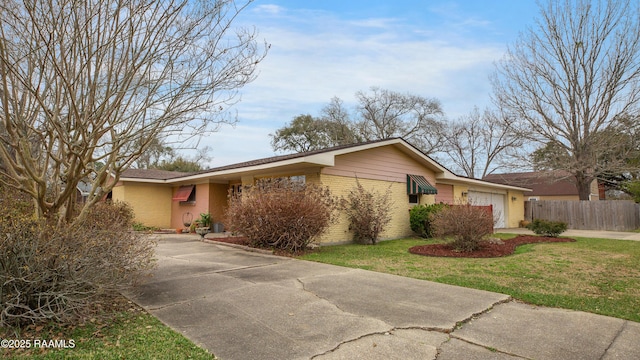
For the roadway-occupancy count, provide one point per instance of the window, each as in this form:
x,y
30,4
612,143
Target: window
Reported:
x,y
414,199
192,196
236,190
301,179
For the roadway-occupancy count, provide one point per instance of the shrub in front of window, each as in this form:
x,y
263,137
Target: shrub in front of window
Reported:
x,y
421,218
281,214
369,212
547,228
467,225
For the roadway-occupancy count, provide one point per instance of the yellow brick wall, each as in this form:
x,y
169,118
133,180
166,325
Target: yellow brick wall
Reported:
x,y
427,199
151,203
117,193
458,197
515,210
398,227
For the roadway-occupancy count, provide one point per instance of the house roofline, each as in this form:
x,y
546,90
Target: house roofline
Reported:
x,y
467,180
321,158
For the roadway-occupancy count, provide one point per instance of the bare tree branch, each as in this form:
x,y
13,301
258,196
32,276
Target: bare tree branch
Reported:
x,y
572,77
98,81
385,114
480,143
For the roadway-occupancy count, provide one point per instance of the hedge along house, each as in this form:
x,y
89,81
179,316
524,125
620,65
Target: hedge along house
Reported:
x,y
161,198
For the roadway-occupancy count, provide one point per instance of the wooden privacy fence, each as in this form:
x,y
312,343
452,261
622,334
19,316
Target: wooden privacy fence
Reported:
x,y
612,215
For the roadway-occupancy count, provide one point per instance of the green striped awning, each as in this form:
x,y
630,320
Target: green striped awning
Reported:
x,y
417,184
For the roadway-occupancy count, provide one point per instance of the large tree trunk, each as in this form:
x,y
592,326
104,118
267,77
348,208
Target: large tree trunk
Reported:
x,y
583,183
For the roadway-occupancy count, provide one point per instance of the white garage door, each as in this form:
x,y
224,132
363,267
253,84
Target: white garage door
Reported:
x,y
484,199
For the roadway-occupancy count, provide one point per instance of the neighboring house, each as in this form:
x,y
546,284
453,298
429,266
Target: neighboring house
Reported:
x,y
550,185
162,198
83,190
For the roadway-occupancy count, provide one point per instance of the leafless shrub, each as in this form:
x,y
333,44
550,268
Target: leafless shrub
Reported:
x,y
368,213
466,224
281,214
53,272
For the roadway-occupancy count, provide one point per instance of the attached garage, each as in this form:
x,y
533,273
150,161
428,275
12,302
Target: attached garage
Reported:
x,y
497,201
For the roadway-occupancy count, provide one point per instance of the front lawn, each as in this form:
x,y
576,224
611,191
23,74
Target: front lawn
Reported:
x,y
596,275
126,333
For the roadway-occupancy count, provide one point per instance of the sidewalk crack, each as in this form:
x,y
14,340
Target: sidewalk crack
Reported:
x,y
389,332
461,323
622,328
330,302
489,348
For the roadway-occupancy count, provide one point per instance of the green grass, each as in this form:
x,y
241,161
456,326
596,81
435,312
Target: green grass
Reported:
x,y
125,335
595,275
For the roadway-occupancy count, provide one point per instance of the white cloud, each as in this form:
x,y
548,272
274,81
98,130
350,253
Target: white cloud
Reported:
x,y
239,144
270,9
315,55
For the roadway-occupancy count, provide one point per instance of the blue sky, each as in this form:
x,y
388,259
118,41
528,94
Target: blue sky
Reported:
x,y
321,49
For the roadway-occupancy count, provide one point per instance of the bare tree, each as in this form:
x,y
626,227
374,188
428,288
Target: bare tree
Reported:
x,y
481,143
97,81
571,78
379,115
385,114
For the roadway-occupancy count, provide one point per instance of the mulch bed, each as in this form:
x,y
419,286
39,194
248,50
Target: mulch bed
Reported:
x,y
488,249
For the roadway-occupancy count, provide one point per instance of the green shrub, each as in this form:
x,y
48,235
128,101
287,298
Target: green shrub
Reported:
x,y
281,214
138,226
369,212
205,219
632,188
547,228
421,217
466,224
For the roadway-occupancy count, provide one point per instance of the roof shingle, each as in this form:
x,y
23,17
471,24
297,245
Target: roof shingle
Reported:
x,y
549,183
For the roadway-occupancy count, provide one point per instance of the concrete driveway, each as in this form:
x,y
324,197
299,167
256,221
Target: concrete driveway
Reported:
x,y
245,305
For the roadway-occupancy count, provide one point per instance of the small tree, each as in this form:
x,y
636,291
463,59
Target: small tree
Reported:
x,y
369,212
281,213
466,224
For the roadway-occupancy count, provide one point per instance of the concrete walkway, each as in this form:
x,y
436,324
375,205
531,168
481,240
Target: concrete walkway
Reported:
x,y
601,234
245,305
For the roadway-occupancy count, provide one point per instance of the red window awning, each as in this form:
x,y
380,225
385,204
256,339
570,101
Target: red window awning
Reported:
x,y
183,193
